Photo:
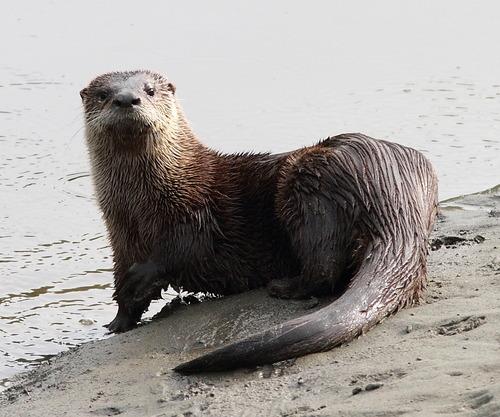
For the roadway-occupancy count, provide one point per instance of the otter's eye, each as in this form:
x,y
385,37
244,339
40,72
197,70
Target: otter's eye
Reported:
x,y
150,91
102,95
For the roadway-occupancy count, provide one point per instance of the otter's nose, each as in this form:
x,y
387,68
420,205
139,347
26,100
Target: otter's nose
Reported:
x,y
126,99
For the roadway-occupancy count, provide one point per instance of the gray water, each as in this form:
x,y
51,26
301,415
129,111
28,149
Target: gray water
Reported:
x,y
263,76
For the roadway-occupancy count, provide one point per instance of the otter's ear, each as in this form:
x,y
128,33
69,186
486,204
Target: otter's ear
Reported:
x,y
83,94
171,87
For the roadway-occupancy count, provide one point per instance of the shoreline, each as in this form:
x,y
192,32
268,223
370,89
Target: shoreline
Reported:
x,y
439,358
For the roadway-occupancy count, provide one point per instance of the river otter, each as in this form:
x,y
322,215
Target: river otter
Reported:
x,y
350,214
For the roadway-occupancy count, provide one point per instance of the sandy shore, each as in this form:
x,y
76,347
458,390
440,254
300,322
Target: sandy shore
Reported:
x,y
441,358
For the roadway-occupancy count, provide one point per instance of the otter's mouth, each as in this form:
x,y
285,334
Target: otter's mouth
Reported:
x,y
127,122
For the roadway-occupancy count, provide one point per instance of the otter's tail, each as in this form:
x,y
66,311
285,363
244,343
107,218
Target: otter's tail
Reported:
x,y
378,289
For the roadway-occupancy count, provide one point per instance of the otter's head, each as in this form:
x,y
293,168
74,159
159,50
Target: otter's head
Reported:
x,y
127,107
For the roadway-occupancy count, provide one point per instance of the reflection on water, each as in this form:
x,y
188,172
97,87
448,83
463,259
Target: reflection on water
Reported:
x,y
270,76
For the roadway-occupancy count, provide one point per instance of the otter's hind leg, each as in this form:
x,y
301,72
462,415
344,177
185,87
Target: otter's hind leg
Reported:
x,y
318,225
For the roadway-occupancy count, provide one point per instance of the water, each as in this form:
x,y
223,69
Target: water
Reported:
x,y
256,76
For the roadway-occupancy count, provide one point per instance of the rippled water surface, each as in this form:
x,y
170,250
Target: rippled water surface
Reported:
x,y
265,76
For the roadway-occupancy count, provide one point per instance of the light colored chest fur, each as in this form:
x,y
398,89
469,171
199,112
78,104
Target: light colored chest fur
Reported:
x,y
132,203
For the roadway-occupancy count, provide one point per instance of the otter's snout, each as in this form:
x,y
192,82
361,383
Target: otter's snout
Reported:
x,y
126,98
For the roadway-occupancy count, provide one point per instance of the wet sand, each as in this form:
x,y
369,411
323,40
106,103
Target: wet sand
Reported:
x,y
440,358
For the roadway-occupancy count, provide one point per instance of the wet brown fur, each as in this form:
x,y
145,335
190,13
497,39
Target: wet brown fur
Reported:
x,y
351,212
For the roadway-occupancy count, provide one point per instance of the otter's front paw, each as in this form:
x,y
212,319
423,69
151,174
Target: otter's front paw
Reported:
x,y
122,322
141,284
